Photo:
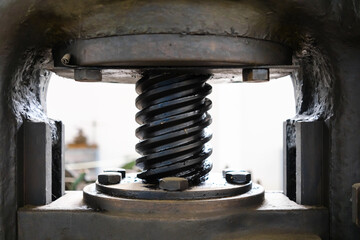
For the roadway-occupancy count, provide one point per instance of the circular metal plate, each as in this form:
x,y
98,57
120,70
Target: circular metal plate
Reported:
x,y
173,208
169,50
133,187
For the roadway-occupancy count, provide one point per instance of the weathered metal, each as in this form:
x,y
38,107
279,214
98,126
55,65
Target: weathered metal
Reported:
x,y
138,199
58,162
289,159
87,75
132,187
173,184
227,170
109,178
224,218
169,50
355,198
256,74
322,33
65,60
238,177
219,75
35,164
119,170
310,162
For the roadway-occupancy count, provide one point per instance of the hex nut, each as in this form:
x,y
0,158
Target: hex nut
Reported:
x,y
173,184
239,177
87,75
109,178
256,74
225,171
118,170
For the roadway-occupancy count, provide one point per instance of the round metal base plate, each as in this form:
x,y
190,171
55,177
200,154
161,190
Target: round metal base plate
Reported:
x,y
133,187
175,208
208,198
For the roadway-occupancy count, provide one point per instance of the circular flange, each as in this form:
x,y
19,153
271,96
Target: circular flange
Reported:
x,y
133,187
173,208
172,50
176,208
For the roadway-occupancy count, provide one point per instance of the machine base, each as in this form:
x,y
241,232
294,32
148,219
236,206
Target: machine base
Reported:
x,y
70,218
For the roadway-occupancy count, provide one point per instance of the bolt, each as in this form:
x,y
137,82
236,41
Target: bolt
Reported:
x,y
225,171
238,177
174,184
118,170
109,178
255,74
66,59
87,75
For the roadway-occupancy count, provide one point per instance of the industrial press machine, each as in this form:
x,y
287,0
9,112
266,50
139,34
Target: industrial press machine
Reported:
x,y
171,51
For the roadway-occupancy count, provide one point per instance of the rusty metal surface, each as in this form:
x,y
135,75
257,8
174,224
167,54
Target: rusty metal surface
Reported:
x,y
70,218
132,187
166,50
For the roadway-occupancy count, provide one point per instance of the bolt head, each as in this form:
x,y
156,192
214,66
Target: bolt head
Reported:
x,y
238,177
225,171
87,75
118,170
255,74
109,178
66,59
174,184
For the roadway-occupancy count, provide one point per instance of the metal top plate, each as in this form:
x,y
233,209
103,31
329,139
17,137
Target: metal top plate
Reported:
x,y
133,187
172,50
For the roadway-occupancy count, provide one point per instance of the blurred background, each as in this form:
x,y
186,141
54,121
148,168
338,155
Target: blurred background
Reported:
x,y
100,127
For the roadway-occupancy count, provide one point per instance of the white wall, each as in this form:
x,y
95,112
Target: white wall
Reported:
x,y
247,122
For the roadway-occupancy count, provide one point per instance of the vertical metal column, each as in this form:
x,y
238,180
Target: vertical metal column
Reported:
x,y
289,159
35,162
58,162
309,163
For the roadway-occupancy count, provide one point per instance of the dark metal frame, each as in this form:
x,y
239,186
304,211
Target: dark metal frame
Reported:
x,y
89,57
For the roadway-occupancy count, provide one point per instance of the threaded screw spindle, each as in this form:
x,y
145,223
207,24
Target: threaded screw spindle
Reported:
x,y
174,133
